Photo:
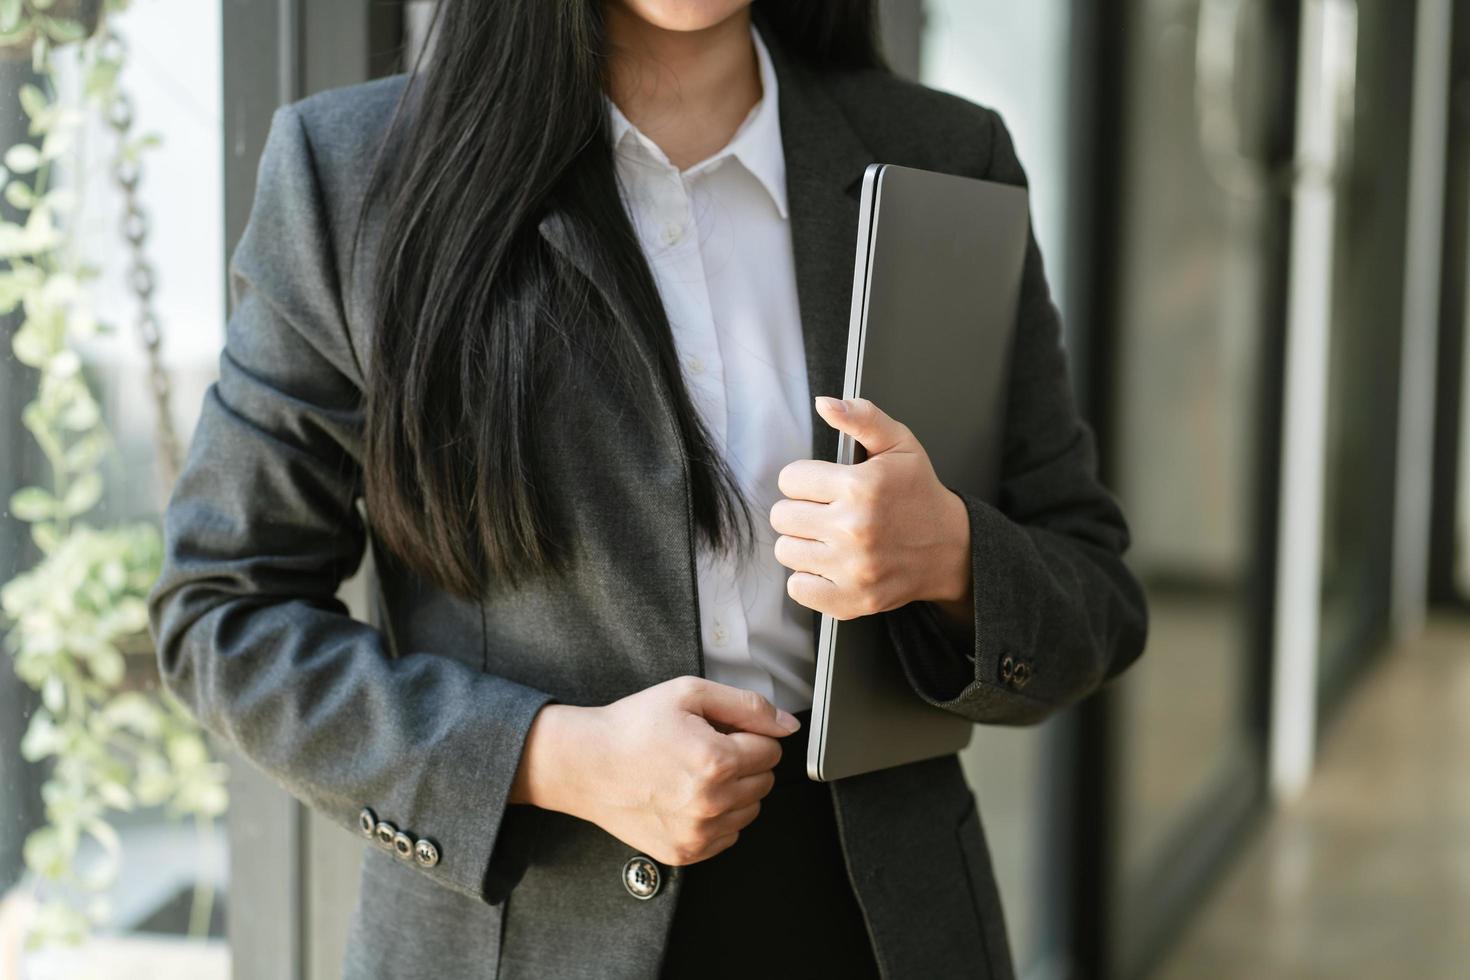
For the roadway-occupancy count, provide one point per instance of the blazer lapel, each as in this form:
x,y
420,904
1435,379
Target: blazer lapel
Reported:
x,y
825,161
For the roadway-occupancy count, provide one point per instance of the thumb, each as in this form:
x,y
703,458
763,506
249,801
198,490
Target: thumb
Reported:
x,y
742,709
874,430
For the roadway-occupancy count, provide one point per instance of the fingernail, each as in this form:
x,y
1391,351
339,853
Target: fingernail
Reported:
x,y
787,720
835,404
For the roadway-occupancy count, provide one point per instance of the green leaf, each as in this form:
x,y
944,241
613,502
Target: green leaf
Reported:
x,y
82,495
45,854
22,158
16,282
38,421
31,345
133,711
86,452
115,795
38,234
53,694
57,142
187,751
9,15
153,782
64,30
65,364
20,195
45,535
32,99
32,504
104,834
78,416
42,738
101,78
108,666
129,615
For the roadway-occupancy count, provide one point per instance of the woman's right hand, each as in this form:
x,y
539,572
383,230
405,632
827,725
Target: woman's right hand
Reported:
x,y
675,771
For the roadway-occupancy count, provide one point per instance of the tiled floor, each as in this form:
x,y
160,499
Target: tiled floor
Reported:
x,y
1369,874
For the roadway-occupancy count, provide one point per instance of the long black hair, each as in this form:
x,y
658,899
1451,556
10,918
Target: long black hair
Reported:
x,y
474,312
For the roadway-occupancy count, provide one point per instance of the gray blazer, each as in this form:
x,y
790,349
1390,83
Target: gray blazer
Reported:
x,y
420,718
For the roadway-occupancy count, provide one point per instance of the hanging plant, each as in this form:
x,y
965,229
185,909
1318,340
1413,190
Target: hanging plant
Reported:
x,y
115,745
58,21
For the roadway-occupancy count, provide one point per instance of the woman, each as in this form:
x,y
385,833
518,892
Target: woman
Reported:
x,y
561,310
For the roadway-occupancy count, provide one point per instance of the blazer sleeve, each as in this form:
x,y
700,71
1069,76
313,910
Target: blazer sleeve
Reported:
x,y
1055,610
260,530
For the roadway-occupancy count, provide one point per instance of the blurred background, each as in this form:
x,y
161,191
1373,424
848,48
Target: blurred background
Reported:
x,y
1256,220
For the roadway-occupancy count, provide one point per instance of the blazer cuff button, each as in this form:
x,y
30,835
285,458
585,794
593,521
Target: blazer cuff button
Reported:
x,y
426,853
641,877
367,822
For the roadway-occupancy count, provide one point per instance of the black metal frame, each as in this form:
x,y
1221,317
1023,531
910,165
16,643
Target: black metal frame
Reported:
x,y
21,810
1098,31
1450,383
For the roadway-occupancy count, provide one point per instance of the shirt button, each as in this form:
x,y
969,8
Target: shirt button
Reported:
x,y
695,365
672,233
720,634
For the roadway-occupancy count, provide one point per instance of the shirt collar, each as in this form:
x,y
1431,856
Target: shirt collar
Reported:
x,y
756,143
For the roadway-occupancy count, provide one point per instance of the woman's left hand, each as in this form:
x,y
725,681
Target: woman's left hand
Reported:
x,y
872,536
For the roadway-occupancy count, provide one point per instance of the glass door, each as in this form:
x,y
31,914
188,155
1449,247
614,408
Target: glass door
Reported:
x,y
1363,367
1200,246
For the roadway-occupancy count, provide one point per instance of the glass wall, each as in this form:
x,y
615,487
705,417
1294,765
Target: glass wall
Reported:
x,y
1200,262
1016,58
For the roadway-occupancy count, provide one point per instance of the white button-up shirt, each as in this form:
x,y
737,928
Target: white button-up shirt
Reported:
x,y
718,240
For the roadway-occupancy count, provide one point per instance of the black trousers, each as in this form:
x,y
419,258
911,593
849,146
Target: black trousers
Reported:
x,y
777,902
